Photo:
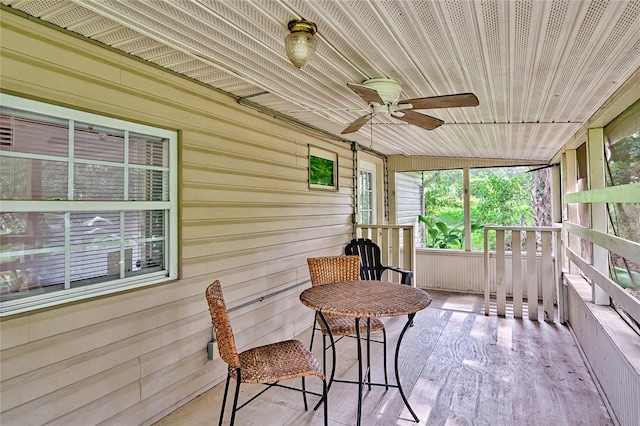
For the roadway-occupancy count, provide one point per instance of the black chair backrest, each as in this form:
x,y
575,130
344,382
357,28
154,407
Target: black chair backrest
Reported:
x,y
370,258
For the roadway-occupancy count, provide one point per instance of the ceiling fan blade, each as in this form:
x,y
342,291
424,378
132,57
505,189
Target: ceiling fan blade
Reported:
x,y
421,120
356,125
366,93
446,101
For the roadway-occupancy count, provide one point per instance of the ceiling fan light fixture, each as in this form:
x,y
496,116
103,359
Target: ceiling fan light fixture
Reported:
x,y
301,44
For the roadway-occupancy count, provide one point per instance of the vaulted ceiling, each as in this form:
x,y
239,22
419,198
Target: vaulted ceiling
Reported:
x,y
539,68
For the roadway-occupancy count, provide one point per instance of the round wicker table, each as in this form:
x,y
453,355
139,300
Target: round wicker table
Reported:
x,y
368,299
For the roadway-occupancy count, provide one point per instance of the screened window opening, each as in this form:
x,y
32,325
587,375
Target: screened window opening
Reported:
x,y
622,153
88,204
499,196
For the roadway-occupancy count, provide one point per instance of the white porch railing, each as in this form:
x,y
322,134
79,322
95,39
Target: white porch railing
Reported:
x,y
397,245
523,276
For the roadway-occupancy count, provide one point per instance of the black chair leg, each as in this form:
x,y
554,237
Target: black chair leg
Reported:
x,y
304,394
324,398
384,346
235,398
324,354
313,331
224,398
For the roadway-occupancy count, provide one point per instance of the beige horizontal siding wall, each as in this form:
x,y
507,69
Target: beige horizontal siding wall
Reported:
x,y
247,218
410,202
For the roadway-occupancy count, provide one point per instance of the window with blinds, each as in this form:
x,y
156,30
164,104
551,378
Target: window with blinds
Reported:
x,y
87,204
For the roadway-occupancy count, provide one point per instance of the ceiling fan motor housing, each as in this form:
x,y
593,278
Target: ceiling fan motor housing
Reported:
x,y
388,88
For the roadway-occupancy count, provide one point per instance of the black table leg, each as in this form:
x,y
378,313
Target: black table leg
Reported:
x,y
360,381
324,357
404,398
369,352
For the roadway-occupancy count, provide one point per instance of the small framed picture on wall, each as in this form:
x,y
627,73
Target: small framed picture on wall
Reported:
x,y
323,169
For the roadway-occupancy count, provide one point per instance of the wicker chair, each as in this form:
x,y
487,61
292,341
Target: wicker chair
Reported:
x,y
330,269
266,364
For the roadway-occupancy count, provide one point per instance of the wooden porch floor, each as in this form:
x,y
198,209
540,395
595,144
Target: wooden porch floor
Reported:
x,y
457,366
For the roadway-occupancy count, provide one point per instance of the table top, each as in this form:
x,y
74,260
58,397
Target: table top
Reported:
x,y
361,298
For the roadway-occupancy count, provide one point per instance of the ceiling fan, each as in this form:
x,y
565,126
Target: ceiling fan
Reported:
x,y
382,96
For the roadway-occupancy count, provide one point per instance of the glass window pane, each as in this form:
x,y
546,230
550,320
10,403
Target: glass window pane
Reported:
x,y
32,135
147,151
98,182
95,143
30,179
32,253
366,197
148,185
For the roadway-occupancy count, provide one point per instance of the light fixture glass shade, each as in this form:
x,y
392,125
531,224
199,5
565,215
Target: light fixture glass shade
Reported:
x,y
300,44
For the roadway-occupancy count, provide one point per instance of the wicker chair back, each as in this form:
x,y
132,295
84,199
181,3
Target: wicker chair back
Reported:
x,y
332,269
221,325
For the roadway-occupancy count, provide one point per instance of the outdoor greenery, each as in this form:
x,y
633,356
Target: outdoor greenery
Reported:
x,y
623,167
441,235
499,196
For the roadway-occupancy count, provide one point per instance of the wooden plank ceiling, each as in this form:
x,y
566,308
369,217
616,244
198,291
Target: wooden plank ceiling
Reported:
x,y
539,68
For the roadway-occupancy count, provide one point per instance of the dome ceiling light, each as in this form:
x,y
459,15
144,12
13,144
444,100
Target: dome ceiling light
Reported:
x,y
300,44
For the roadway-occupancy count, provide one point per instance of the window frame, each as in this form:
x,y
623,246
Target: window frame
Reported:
x,y
170,206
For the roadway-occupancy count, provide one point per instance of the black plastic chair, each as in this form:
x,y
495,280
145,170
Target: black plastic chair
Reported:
x,y
371,267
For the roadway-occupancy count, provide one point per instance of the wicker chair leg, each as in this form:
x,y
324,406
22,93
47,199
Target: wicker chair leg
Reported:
x,y
235,397
224,398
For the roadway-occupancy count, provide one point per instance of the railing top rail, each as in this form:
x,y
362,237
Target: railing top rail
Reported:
x,y
554,228
383,226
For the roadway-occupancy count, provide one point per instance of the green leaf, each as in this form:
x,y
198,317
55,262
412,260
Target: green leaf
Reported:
x,y
442,227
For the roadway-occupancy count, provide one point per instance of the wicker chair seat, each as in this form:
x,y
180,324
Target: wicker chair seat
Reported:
x,y
277,361
345,326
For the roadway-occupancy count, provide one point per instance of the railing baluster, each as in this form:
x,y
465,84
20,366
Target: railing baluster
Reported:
x,y
516,273
547,277
501,292
532,276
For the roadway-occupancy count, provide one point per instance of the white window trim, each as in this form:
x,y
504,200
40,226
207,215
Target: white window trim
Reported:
x,y
17,306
